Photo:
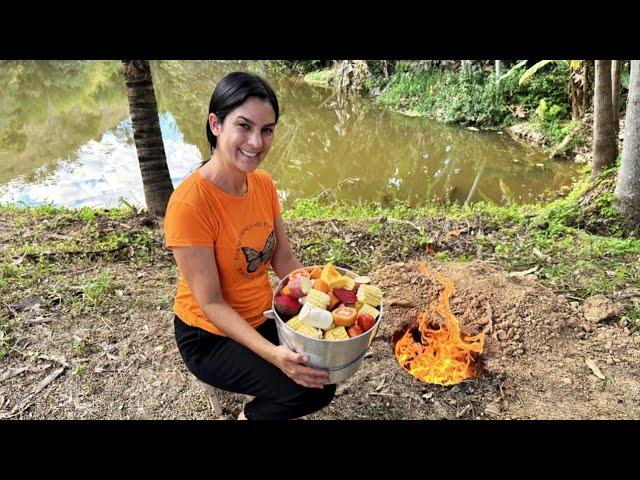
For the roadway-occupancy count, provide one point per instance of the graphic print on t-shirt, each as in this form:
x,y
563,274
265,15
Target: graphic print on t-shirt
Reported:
x,y
254,246
254,257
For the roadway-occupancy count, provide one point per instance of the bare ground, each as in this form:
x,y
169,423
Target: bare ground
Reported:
x,y
116,358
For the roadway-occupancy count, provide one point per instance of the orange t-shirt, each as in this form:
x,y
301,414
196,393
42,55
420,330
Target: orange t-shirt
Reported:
x,y
241,231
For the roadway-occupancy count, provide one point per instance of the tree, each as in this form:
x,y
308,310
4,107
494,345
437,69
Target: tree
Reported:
x,y
146,133
616,75
604,142
627,190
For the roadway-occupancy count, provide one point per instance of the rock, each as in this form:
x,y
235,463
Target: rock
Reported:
x,y
599,308
502,335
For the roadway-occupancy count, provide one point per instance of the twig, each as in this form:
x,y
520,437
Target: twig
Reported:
x,y
575,298
382,394
76,252
397,220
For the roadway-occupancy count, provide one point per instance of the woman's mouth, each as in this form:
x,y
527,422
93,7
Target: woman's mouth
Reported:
x,y
248,154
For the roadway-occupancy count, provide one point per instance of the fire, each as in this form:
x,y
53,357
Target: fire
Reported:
x,y
442,354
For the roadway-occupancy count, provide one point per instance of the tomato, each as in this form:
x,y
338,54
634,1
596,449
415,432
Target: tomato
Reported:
x,y
299,272
354,330
365,321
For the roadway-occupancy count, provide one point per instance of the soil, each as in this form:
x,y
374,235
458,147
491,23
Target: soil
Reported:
x,y
118,359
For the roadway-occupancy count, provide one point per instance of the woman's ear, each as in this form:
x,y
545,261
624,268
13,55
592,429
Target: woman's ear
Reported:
x,y
214,125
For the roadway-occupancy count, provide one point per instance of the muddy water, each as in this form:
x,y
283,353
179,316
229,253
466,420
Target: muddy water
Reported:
x,y
66,138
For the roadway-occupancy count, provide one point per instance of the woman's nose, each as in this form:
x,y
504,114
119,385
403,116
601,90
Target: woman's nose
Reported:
x,y
255,140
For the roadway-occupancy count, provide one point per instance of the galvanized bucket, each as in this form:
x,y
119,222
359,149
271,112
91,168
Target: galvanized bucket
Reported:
x,y
342,358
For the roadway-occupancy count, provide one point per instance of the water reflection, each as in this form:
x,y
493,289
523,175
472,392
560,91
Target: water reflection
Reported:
x,y
65,137
108,170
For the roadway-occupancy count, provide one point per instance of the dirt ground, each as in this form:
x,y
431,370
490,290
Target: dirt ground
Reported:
x,y
122,362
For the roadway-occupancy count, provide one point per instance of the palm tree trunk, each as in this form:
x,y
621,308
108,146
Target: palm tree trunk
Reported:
x,y
604,144
616,73
627,190
146,133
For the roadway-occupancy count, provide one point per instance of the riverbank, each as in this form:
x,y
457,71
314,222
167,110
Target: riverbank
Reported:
x,y
537,113
86,323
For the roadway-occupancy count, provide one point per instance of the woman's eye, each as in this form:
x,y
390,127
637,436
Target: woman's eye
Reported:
x,y
245,126
268,130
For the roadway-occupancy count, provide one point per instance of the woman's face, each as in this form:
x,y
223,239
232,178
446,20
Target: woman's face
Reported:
x,y
245,137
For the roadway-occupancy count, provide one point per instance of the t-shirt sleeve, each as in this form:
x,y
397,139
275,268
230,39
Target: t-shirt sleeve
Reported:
x,y
186,225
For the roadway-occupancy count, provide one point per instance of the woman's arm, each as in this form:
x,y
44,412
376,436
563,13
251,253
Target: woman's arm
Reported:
x,y
198,267
283,259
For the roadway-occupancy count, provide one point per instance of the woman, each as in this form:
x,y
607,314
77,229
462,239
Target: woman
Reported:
x,y
224,227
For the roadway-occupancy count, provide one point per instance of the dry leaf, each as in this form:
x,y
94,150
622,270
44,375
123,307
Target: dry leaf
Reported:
x,y
12,372
594,368
47,380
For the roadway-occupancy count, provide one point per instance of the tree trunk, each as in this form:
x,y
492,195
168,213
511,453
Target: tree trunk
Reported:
x,y
627,190
146,133
573,94
616,73
585,86
604,142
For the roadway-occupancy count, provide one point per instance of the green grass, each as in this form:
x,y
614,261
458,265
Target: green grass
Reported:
x,y
99,287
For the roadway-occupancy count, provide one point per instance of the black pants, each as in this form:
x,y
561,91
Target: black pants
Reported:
x,y
224,363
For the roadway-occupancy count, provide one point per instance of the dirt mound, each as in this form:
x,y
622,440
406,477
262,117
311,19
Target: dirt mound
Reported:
x,y
536,350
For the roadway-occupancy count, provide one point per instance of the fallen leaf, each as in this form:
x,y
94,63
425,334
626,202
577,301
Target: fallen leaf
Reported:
x,y
594,368
430,249
48,379
453,233
12,372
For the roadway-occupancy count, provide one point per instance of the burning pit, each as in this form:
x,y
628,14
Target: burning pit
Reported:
x,y
433,348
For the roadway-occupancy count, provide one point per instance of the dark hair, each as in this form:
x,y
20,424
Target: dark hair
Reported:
x,y
232,91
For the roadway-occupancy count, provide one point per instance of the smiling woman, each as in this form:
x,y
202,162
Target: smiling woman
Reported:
x,y
224,227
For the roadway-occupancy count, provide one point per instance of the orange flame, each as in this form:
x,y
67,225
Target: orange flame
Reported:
x,y
443,355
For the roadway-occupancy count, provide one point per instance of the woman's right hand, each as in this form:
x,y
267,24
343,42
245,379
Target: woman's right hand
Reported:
x,y
291,363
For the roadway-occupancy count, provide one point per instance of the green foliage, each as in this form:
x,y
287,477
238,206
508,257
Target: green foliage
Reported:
x,y
550,85
470,97
549,119
311,208
474,96
99,288
301,67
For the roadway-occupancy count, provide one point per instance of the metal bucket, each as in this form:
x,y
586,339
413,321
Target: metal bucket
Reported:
x,y
342,358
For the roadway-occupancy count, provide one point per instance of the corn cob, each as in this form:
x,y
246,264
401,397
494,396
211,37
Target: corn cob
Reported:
x,y
338,333
369,310
309,331
369,294
345,282
294,323
318,298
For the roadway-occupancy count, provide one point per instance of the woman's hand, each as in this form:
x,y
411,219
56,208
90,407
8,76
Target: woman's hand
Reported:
x,y
290,363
